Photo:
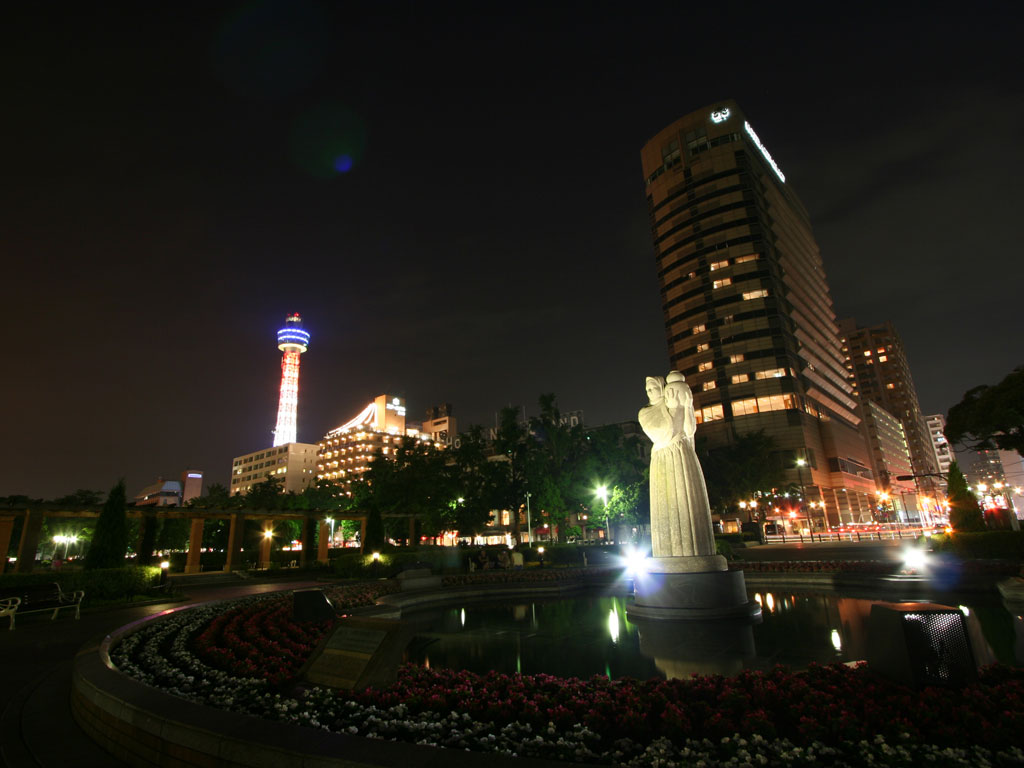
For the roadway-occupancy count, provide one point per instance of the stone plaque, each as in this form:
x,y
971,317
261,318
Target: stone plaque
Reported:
x,y
356,640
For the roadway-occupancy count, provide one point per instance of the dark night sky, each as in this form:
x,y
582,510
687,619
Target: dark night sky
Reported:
x,y
168,197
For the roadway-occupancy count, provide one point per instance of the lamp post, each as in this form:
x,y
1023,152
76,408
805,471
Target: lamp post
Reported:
x,y
800,464
330,520
602,493
529,525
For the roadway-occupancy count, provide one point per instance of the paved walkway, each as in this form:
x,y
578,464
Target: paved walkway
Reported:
x,y
36,725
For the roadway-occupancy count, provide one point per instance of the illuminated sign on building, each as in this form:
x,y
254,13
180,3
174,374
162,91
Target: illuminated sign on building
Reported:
x,y
764,152
396,406
721,115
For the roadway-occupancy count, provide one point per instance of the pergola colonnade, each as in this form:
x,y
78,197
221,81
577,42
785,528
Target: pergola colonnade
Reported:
x,y
33,516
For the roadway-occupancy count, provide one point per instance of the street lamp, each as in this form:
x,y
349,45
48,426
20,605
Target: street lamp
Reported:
x,y
800,464
66,541
330,520
529,526
602,493
888,500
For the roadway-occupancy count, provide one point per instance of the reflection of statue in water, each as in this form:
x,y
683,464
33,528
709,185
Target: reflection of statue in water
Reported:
x,y
680,513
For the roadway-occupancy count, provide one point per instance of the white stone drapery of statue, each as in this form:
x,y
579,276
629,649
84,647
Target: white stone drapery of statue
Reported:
x,y
680,514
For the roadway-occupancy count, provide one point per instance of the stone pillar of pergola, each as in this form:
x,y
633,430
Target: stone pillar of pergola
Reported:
x,y
195,546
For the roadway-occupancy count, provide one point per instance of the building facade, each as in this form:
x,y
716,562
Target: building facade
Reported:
x,y
890,459
440,425
171,493
345,452
944,456
748,312
878,369
294,464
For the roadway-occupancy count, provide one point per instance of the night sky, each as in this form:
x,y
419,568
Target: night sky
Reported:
x,y
454,204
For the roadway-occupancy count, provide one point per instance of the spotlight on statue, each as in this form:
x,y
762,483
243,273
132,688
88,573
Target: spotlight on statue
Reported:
x,y
312,605
635,561
920,644
914,559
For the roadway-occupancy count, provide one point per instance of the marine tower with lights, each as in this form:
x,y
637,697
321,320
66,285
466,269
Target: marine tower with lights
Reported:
x,y
292,340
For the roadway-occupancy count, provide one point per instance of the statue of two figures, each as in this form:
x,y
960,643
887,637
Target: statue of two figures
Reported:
x,y
682,535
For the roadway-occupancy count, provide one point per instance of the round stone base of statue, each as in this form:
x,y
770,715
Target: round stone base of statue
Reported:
x,y
681,594
684,648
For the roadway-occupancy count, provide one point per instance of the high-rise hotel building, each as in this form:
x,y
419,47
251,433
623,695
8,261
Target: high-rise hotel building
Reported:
x,y
748,313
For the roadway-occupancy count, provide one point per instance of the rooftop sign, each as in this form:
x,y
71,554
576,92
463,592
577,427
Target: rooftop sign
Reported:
x,y
764,152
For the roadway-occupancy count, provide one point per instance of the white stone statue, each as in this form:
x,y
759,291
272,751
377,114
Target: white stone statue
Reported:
x,y
680,513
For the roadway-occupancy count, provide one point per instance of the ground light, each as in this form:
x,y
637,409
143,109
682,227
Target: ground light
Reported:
x,y
635,561
914,559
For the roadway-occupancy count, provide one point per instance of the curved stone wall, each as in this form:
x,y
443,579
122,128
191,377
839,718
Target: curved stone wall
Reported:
x,y
143,726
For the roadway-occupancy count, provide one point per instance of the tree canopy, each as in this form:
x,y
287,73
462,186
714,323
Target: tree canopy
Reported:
x,y
990,416
740,469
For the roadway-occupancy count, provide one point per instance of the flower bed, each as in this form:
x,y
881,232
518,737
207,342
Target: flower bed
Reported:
x,y
820,566
240,659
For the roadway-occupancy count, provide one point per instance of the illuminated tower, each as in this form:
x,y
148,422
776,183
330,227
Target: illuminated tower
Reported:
x,y
293,341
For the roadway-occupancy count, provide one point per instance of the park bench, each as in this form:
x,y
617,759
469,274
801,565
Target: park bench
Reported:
x,y
38,598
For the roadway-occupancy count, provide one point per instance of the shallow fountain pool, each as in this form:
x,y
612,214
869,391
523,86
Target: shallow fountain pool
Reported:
x,y
592,635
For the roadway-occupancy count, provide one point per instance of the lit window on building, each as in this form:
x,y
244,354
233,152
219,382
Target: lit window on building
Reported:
x,y
867,353
758,294
709,385
703,347
699,328
882,358
764,404
890,385
771,373
745,259
705,366
740,378
718,265
738,358
711,413
722,283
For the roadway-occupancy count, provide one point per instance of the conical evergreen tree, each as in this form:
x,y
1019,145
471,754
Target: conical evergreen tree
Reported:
x,y
110,542
375,536
964,512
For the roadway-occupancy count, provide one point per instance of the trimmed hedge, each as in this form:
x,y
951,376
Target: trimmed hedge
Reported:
x,y
982,545
353,565
98,584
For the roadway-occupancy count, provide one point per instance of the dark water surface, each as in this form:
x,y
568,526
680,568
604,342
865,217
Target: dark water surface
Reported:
x,y
591,635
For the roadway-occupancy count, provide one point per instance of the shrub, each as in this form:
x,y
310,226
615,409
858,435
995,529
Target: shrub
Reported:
x,y
724,548
352,564
982,545
99,584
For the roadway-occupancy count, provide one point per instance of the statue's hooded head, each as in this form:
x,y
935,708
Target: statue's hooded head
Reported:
x,y
655,389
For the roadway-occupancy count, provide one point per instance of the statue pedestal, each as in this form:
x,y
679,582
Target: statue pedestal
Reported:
x,y
691,588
